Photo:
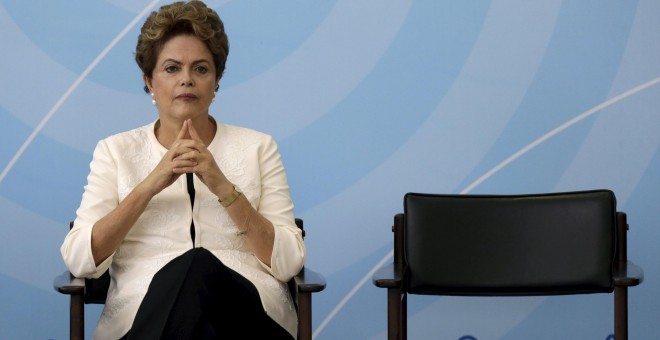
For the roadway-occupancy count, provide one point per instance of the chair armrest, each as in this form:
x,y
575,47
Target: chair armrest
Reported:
x,y
66,283
627,274
389,276
309,281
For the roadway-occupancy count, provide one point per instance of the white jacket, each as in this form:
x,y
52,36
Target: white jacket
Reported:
x,y
248,158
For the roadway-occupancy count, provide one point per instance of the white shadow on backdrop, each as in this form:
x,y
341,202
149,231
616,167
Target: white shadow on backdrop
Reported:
x,y
311,80
322,72
73,88
483,178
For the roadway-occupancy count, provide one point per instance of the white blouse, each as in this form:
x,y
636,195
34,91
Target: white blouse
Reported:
x,y
248,158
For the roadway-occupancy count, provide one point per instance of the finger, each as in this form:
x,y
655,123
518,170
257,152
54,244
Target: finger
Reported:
x,y
185,153
184,167
182,132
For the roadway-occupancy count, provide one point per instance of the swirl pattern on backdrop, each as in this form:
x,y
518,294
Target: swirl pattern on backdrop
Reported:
x,y
368,100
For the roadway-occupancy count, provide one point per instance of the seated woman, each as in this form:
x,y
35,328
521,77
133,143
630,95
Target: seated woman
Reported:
x,y
192,217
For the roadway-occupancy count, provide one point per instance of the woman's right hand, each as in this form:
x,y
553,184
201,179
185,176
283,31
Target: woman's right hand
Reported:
x,y
163,175
110,230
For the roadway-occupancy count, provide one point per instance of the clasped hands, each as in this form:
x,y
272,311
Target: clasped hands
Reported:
x,y
188,154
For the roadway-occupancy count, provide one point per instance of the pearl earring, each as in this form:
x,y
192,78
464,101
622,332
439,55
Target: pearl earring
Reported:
x,y
153,100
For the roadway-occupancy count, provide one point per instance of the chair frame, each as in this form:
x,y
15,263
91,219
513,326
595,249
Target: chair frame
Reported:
x,y
301,288
392,276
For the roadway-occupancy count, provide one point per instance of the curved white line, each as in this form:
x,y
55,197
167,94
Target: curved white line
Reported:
x,y
72,89
350,294
557,130
334,45
488,174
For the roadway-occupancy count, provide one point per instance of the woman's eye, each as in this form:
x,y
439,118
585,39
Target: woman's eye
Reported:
x,y
202,69
171,69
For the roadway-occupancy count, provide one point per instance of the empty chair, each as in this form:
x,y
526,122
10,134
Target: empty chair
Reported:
x,y
508,245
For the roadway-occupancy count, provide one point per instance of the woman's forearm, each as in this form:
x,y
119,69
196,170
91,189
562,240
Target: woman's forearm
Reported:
x,y
258,231
109,232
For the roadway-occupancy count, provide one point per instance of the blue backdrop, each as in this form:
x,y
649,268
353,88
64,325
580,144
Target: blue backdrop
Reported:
x,y
368,100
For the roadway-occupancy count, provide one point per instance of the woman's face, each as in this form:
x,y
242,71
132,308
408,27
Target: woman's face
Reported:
x,y
184,79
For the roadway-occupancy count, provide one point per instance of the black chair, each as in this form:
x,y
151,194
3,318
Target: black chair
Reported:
x,y
509,245
84,291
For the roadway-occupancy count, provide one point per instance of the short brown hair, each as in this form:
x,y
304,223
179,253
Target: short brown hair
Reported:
x,y
181,17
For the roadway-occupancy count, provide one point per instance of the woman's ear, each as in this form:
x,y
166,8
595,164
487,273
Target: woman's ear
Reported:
x,y
147,84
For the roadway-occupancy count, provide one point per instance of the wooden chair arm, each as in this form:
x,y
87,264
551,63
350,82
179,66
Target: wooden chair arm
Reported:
x,y
309,281
306,281
389,276
304,284
627,274
66,283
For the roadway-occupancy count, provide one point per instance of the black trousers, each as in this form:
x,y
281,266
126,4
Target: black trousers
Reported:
x,y
195,296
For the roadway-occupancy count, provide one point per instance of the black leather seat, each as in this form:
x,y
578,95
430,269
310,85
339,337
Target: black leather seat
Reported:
x,y
508,245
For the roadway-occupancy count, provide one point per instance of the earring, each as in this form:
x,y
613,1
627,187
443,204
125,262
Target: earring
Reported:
x,y
215,92
153,100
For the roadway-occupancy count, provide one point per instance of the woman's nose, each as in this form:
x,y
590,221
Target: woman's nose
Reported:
x,y
186,79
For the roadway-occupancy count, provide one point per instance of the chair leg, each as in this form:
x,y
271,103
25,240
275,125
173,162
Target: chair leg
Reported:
x,y
621,313
77,317
304,316
404,317
394,316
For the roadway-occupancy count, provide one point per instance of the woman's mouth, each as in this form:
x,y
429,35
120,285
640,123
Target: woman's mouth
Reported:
x,y
186,96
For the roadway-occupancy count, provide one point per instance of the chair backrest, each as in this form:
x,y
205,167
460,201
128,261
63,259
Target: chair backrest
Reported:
x,y
542,244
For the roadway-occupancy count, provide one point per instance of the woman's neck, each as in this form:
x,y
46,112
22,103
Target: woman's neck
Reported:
x,y
166,131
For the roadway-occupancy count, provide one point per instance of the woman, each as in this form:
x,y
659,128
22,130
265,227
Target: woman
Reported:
x,y
192,217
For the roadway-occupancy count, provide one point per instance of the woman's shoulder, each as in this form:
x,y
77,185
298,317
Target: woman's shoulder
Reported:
x,y
238,139
138,135
240,133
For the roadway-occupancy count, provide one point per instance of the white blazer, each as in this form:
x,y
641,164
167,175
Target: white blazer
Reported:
x,y
248,158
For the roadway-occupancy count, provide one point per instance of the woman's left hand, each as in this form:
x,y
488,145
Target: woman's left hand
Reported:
x,y
259,232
